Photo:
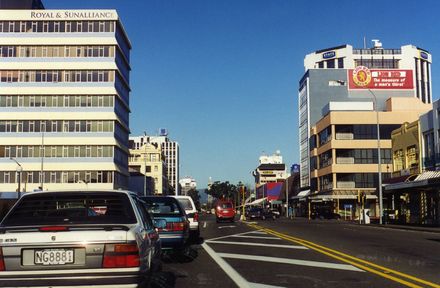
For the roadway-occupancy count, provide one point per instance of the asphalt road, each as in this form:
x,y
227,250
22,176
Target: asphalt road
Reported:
x,y
303,253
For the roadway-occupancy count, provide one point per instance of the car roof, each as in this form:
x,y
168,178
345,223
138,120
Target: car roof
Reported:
x,y
78,191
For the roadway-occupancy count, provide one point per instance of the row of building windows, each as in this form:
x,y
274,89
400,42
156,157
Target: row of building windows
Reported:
x,y
57,177
57,51
364,131
19,126
57,101
406,160
377,63
50,151
57,76
331,63
56,26
377,51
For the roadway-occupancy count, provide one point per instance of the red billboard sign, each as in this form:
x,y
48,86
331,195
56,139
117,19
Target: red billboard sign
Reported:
x,y
380,79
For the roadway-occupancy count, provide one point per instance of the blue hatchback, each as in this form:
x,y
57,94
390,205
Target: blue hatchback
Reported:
x,y
176,231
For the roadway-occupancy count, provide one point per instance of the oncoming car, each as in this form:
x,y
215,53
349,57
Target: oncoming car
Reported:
x,y
57,239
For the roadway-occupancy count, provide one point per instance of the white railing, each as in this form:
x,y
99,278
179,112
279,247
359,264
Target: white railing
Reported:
x,y
344,136
345,160
346,184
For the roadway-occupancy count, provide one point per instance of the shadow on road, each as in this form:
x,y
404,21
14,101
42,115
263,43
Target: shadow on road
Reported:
x,y
163,279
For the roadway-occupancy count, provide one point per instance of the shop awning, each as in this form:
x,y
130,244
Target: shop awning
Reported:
x,y
257,201
302,194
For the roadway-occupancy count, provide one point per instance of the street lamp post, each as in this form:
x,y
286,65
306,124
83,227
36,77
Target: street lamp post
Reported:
x,y
287,197
379,158
145,164
19,170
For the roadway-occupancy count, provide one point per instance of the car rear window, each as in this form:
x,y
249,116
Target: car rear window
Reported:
x,y
225,205
163,206
72,208
186,203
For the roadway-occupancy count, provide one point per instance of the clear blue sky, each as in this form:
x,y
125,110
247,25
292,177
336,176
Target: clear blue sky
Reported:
x,y
222,75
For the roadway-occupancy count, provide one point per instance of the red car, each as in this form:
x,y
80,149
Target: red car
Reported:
x,y
224,210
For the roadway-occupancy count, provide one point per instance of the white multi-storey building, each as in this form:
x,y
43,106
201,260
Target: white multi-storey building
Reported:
x,y
399,72
170,149
64,99
271,169
187,183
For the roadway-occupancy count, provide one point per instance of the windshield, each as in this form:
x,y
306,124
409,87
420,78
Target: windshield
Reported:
x,y
71,208
186,204
163,206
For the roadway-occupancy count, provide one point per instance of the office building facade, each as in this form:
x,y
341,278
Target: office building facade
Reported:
x,y
343,151
170,149
402,72
186,184
64,99
149,161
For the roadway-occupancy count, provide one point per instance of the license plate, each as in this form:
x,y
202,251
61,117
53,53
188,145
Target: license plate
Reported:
x,y
54,257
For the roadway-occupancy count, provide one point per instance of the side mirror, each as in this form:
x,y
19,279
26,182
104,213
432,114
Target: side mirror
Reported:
x,y
160,224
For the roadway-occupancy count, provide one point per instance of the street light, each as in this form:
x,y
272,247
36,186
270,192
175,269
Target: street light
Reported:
x,y
379,158
145,164
19,170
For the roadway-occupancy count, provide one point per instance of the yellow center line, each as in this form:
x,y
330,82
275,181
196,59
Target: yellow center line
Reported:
x,y
357,262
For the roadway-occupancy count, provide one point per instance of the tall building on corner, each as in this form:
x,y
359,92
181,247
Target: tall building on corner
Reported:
x,y
397,72
170,149
64,99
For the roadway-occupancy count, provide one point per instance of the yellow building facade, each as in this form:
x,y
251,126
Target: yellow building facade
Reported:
x,y
150,161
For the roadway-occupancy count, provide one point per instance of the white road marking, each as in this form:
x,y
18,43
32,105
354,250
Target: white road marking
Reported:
x,y
234,275
258,244
258,285
257,232
230,226
227,236
204,225
291,261
255,237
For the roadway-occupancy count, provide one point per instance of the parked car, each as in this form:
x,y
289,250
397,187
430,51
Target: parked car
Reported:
x,y
56,238
192,213
175,233
260,213
224,210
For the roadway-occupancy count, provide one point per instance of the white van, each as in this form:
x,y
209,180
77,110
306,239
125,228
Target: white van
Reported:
x,y
191,211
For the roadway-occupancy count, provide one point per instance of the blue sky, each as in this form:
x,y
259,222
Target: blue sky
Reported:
x,y
222,75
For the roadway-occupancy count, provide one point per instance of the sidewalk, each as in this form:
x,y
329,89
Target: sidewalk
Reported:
x,y
404,227
384,226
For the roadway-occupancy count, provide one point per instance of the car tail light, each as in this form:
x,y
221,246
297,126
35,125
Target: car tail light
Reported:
x,y
2,263
196,217
53,228
176,226
120,256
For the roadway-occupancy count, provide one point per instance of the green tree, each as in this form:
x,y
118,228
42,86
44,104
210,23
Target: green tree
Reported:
x,y
194,194
223,190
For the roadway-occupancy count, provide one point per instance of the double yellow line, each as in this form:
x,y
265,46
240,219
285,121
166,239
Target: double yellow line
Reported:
x,y
402,278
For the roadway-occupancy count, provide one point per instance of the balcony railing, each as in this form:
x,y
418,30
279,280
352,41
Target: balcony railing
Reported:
x,y
344,136
345,160
346,184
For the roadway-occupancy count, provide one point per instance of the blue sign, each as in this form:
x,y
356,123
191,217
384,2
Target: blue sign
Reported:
x,y
329,54
424,55
294,168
